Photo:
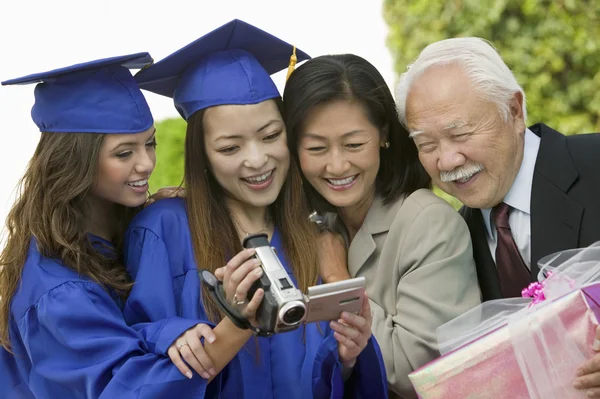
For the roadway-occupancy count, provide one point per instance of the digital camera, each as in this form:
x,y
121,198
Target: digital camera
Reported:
x,y
283,307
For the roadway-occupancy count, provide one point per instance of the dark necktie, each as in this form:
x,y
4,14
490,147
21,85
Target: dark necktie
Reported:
x,y
513,273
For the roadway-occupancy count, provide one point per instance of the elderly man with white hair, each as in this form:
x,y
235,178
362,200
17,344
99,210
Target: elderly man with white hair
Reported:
x,y
527,192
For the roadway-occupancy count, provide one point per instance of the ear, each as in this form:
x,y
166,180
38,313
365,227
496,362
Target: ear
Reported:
x,y
515,107
383,135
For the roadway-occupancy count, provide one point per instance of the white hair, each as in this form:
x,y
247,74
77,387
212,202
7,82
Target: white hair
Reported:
x,y
491,78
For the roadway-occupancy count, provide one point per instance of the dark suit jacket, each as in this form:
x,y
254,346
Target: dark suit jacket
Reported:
x,y
565,204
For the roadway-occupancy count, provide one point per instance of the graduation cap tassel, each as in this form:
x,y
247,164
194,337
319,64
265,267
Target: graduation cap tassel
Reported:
x,y
292,66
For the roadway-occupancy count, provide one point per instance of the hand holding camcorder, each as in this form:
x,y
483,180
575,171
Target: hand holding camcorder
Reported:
x,y
284,307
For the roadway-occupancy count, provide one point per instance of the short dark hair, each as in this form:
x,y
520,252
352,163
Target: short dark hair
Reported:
x,y
348,76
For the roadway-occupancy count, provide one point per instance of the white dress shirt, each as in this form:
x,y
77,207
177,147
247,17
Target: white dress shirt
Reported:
x,y
519,198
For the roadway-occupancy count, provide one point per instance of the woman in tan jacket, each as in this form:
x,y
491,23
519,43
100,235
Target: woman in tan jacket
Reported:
x,y
413,248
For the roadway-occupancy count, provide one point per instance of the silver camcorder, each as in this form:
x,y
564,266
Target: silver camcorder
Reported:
x,y
284,307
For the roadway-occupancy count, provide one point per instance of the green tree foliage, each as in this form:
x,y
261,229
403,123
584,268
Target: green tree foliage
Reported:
x,y
170,136
552,46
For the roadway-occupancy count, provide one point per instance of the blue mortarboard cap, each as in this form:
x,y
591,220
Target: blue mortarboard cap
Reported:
x,y
99,96
230,65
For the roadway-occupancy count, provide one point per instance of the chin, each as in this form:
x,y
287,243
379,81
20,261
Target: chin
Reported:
x,y
261,203
259,200
341,202
133,202
472,202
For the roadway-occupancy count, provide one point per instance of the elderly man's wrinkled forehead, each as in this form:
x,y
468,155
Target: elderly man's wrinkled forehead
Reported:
x,y
442,93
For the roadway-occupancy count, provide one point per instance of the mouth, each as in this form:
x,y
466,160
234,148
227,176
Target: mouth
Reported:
x,y
342,183
466,179
261,181
139,185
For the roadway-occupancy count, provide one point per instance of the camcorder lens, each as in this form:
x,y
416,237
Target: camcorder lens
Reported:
x,y
293,315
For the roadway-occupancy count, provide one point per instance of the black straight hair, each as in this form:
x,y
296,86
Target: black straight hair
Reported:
x,y
350,77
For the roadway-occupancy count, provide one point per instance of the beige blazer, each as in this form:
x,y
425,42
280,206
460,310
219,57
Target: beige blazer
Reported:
x,y
416,256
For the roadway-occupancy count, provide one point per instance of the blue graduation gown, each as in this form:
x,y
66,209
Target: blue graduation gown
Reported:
x,y
70,340
300,364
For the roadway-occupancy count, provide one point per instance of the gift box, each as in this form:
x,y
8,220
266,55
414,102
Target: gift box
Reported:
x,y
522,347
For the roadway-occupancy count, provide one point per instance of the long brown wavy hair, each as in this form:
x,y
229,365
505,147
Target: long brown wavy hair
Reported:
x,y
51,207
214,236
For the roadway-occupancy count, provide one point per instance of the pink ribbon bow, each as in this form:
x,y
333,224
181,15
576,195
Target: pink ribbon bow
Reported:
x,y
536,290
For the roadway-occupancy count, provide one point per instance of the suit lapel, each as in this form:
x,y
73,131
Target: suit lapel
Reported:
x,y
361,248
487,273
378,220
555,218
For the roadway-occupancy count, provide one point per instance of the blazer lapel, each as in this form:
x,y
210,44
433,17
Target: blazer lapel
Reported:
x,y
378,220
361,248
555,218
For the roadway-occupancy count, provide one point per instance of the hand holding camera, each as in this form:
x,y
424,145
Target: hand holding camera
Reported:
x,y
280,305
240,273
352,332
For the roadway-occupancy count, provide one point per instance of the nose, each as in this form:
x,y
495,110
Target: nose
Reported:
x,y
256,157
449,157
145,162
337,164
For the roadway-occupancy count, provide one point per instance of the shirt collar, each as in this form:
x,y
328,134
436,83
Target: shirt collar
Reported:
x,y
519,195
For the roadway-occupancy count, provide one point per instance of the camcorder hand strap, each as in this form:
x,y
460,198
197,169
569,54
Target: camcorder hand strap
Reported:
x,y
217,293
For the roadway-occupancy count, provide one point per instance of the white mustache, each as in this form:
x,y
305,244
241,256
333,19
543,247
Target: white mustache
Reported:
x,y
462,172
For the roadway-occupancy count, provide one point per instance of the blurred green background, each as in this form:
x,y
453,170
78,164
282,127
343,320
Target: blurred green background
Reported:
x,y
553,48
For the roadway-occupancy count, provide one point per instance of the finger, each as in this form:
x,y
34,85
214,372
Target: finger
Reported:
x,y
348,331
199,353
190,359
175,192
242,289
366,309
252,306
592,393
169,192
241,271
178,362
590,366
354,320
180,193
343,340
596,344
239,275
204,330
235,263
192,337
587,381
241,257
220,273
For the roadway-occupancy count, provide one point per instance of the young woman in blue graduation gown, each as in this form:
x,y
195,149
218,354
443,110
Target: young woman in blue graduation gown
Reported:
x,y
62,283
239,180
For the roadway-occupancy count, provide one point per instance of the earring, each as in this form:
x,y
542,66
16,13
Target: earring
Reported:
x,y
386,145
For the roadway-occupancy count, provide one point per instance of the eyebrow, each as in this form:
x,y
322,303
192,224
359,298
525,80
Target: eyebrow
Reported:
x,y
452,125
237,136
347,134
455,124
133,142
414,133
266,125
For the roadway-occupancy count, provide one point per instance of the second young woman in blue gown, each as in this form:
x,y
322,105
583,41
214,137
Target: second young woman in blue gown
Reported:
x,y
239,180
